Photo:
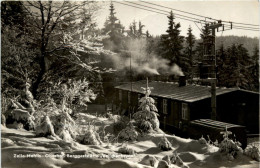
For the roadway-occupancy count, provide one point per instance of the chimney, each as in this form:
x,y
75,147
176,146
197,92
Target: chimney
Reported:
x,y
182,81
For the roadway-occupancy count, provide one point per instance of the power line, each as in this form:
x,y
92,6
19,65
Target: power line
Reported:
x,y
244,28
164,11
235,26
242,23
238,27
173,9
151,10
190,19
139,7
197,14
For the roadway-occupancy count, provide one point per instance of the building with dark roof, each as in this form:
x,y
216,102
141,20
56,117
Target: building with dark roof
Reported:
x,y
179,104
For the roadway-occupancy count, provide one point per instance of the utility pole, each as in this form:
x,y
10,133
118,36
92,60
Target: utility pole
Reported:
x,y
209,62
213,28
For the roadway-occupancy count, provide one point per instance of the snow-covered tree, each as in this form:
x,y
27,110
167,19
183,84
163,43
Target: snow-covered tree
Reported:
x,y
146,118
229,147
54,26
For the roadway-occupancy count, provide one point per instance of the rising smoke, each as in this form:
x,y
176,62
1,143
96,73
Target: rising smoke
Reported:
x,y
142,62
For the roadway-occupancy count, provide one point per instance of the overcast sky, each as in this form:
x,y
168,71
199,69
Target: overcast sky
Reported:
x,y
239,11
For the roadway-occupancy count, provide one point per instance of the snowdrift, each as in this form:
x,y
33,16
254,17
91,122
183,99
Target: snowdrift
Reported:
x,y
28,150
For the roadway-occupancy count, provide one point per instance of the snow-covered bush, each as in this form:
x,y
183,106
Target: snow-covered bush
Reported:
x,y
119,124
164,144
202,140
16,125
126,150
65,126
45,128
60,102
129,133
21,116
253,152
229,147
88,135
146,118
91,138
72,94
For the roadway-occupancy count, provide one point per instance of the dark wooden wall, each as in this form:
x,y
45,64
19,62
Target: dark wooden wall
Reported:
x,y
238,107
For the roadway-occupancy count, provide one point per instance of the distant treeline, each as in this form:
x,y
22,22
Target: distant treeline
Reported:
x,y
248,42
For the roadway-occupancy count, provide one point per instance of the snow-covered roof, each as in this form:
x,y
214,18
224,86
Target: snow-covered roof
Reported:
x,y
214,124
188,93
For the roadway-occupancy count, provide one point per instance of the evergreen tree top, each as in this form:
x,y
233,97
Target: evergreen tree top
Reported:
x,y
190,39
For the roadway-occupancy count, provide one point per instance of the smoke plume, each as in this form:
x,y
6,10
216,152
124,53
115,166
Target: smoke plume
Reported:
x,y
142,62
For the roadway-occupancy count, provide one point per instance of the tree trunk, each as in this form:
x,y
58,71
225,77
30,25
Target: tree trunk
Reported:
x,y
39,77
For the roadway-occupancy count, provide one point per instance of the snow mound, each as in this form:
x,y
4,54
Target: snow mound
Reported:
x,y
164,144
126,150
163,164
6,142
149,161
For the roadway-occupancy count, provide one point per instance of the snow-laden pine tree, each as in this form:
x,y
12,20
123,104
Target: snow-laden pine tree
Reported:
x,y
229,147
146,118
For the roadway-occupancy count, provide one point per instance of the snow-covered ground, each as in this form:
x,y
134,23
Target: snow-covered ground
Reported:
x,y
21,148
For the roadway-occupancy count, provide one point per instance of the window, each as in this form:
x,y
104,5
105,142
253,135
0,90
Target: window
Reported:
x,y
120,95
129,97
164,106
184,111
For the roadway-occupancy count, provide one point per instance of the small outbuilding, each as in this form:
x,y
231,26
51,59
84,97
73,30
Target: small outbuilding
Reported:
x,y
214,130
